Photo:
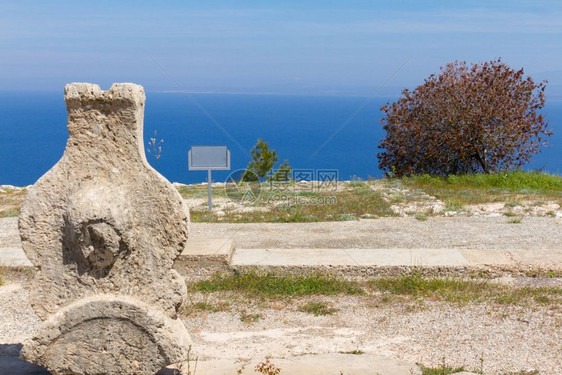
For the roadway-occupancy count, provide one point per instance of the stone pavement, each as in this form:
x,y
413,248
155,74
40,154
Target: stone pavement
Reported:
x,y
392,257
321,364
398,257
439,242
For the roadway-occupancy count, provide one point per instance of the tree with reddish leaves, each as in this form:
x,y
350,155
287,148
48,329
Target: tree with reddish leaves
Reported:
x,y
468,119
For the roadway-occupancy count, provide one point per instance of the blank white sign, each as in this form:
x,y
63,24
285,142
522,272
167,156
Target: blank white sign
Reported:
x,y
209,158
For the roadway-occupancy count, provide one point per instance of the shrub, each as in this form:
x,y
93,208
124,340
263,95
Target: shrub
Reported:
x,y
467,119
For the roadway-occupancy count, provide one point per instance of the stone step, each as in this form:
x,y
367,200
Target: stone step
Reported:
x,y
312,364
14,257
208,254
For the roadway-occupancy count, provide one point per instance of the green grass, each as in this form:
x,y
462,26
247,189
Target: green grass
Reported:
x,y
515,220
452,290
190,308
441,370
317,309
249,318
356,199
514,181
457,191
269,285
362,199
461,291
422,216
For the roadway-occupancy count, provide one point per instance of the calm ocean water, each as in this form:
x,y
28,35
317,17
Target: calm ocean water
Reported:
x,y
34,133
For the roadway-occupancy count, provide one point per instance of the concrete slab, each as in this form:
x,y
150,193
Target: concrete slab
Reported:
x,y
541,258
14,257
205,253
348,257
487,257
408,257
321,364
219,254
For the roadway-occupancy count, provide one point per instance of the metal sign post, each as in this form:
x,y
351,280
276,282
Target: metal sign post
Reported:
x,y
201,158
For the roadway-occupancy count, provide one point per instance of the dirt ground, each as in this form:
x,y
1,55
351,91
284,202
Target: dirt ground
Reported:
x,y
498,339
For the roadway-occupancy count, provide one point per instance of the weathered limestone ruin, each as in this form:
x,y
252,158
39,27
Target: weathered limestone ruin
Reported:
x,y
104,228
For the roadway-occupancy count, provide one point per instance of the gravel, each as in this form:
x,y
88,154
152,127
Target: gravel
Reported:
x,y
401,232
497,339
17,319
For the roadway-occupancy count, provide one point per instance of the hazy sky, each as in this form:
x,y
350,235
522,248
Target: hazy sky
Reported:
x,y
299,46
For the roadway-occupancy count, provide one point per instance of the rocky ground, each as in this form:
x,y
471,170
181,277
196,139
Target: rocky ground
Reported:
x,y
403,201
495,339
489,337
498,339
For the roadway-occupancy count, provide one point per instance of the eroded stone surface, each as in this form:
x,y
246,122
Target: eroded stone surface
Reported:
x,y
104,228
102,220
108,335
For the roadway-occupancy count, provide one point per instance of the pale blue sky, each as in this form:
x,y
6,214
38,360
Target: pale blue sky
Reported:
x,y
298,47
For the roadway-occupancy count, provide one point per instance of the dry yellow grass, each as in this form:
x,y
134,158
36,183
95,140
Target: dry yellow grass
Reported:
x,y
11,201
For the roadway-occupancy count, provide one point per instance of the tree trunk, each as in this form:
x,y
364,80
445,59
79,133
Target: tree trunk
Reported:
x,y
483,162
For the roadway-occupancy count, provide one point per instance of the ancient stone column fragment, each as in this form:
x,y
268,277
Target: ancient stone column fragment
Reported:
x,y
104,228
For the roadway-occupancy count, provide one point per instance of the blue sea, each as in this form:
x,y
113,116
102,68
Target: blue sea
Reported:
x,y
312,132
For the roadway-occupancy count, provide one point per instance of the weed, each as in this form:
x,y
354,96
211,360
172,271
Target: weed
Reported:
x,y
461,291
516,220
267,368
509,214
270,285
182,370
484,188
515,181
188,309
441,370
422,216
453,204
357,182
346,217
249,318
289,206
155,148
18,273
317,308
354,352
11,201
550,213
413,285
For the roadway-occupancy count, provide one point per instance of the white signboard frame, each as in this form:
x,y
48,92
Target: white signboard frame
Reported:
x,y
208,158
205,158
